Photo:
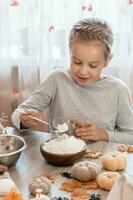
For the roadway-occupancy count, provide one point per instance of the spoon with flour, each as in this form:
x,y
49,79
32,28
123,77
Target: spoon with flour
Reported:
x,y
59,129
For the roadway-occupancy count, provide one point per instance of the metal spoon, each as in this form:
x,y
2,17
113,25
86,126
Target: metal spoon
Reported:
x,y
42,121
68,125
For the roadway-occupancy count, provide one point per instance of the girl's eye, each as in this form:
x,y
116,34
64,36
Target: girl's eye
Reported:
x,y
93,66
77,62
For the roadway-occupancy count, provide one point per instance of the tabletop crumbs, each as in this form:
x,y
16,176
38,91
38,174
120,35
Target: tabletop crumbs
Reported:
x,y
66,174
59,198
95,197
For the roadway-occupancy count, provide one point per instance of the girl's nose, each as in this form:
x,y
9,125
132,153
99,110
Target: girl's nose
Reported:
x,y
84,70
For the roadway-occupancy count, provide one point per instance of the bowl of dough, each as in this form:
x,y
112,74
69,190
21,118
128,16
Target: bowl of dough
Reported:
x,y
63,150
11,147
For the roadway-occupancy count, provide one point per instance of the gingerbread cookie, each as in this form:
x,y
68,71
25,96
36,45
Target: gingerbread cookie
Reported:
x,y
122,148
92,154
125,148
130,149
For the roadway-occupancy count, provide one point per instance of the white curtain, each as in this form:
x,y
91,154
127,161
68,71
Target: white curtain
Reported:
x,y
34,40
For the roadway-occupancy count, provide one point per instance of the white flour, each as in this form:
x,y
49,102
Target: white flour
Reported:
x,y
64,144
62,128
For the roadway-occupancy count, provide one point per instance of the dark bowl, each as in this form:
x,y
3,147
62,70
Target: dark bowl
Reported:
x,y
62,159
11,147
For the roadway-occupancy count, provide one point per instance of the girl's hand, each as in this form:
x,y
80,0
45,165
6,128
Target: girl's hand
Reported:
x,y
28,121
88,131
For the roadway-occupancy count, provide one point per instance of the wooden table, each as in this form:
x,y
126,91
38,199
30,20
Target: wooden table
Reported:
x,y
32,164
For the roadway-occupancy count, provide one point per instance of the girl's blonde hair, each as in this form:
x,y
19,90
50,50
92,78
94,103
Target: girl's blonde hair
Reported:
x,y
90,29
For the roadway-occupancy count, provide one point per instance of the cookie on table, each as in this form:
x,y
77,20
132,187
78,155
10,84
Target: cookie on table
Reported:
x,y
122,147
125,148
130,149
92,154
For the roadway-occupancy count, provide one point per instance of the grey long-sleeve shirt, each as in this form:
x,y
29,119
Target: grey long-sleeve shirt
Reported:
x,y
107,103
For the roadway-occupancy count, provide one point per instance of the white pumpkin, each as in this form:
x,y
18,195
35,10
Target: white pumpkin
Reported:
x,y
41,182
114,161
84,171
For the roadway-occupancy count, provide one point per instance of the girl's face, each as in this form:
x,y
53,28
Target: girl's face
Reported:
x,y
87,62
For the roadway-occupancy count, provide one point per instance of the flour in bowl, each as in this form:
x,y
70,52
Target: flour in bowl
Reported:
x,y
64,144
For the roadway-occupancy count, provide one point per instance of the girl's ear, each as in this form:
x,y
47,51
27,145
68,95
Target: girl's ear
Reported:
x,y
108,59
110,56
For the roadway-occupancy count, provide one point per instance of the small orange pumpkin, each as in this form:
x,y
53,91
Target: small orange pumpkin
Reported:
x,y
114,161
106,180
84,170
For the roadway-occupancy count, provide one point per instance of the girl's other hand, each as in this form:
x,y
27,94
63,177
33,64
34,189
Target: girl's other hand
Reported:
x,y
88,131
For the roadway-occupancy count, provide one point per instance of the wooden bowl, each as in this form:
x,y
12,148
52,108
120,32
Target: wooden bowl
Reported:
x,y
62,159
